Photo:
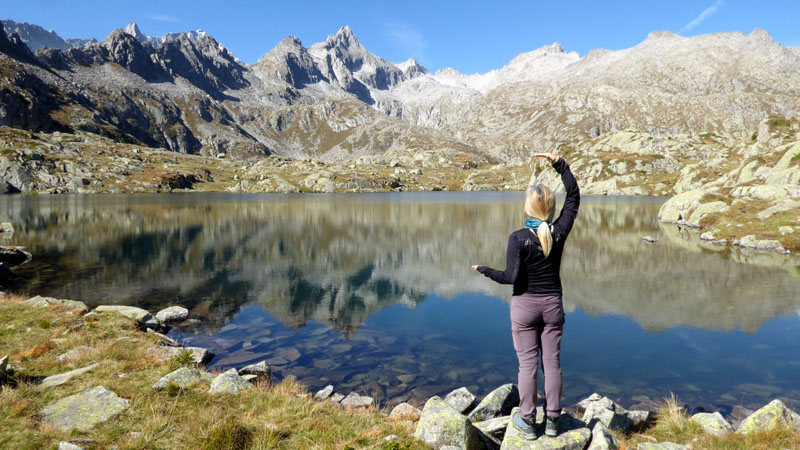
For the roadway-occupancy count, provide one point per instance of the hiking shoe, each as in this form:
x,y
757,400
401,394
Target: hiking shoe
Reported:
x,y
551,427
523,426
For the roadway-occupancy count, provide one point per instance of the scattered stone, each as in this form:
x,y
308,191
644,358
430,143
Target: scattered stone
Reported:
x,y
404,411
6,227
603,439
336,398
572,435
649,239
460,399
750,241
172,314
200,356
441,425
184,378
354,400
260,369
43,302
138,314
165,340
75,353
324,393
662,446
229,383
499,402
390,438
84,410
712,423
773,415
58,380
68,446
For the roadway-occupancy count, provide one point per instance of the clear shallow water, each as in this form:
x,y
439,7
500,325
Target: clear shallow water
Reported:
x,y
374,292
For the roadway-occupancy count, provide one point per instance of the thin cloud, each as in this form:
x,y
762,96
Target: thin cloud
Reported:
x,y
409,38
703,16
163,18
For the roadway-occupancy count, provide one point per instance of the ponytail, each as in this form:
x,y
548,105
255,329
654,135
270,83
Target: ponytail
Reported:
x,y
545,237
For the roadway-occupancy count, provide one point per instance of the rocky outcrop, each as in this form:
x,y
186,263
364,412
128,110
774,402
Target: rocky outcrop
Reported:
x,y
772,416
713,423
497,403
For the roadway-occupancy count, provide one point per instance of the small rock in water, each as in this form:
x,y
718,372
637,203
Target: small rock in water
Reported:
x,y
404,411
649,239
172,314
260,369
460,399
324,393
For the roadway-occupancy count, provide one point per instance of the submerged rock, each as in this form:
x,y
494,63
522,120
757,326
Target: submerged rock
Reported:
x,y
84,410
499,402
14,256
712,423
440,425
773,415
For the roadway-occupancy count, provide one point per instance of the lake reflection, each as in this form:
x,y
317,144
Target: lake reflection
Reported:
x,y
374,292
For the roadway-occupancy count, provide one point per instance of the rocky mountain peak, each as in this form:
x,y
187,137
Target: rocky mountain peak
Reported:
x,y
760,35
133,30
660,35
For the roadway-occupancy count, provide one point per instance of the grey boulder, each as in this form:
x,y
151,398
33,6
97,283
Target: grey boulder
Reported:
x,y
184,378
172,314
499,402
712,423
440,425
260,369
460,399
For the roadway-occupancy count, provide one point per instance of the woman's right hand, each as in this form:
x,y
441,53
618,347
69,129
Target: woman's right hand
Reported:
x,y
549,156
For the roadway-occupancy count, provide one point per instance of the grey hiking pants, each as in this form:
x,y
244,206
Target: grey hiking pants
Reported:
x,y
537,321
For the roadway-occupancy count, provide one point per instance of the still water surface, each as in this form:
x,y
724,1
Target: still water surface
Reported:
x,y
374,292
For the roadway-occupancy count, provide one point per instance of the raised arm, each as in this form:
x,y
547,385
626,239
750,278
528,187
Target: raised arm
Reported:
x,y
509,275
573,200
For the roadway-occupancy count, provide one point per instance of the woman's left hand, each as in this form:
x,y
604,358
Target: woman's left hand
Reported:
x,y
475,267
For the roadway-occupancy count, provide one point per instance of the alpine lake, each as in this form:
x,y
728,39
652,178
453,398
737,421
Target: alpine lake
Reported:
x,y
373,292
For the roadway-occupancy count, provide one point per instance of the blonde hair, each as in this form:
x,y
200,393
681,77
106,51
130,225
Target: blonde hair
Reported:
x,y
540,204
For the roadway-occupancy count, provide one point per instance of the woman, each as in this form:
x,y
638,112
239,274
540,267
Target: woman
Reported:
x,y
533,262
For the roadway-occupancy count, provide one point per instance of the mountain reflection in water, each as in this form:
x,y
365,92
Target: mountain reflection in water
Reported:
x,y
270,276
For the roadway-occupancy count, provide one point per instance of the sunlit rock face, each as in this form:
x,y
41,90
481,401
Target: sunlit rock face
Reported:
x,y
338,260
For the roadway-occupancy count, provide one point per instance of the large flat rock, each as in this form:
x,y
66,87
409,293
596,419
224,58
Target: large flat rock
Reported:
x,y
84,410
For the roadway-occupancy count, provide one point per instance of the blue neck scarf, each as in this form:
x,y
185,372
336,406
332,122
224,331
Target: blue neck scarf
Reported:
x,y
533,224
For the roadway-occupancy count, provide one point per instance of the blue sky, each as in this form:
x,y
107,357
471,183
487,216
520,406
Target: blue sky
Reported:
x,y
471,36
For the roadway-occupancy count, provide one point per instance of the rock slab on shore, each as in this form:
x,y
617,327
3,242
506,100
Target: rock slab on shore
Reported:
x,y
84,410
43,302
138,314
572,436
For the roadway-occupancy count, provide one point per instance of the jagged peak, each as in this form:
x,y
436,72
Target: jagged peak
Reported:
x,y
133,30
761,35
343,38
290,41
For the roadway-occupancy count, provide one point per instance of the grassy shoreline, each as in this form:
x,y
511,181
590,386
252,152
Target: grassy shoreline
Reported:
x,y
280,415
